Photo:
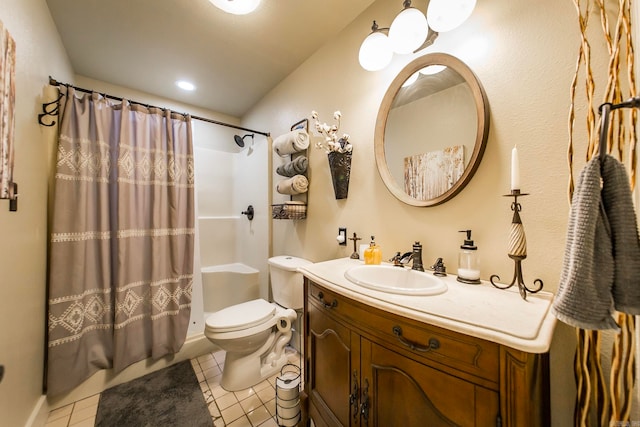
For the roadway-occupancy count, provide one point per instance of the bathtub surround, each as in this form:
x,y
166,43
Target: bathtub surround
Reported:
x,y
122,259
168,397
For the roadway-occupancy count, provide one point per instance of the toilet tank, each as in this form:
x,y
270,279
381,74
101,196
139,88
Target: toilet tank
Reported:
x,y
286,282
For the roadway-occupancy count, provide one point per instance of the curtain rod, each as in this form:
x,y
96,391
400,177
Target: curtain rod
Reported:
x,y
53,110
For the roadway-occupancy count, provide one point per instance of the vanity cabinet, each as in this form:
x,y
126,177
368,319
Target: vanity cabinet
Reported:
x,y
368,367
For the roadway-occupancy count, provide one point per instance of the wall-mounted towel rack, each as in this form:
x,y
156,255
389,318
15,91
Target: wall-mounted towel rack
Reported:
x,y
294,209
604,110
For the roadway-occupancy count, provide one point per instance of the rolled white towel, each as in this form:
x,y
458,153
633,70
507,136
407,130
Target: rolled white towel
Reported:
x,y
295,185
291,142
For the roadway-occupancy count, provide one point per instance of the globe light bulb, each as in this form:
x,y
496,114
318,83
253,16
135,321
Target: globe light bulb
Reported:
x,y
431,69
408,31
446,15
375,52
411,80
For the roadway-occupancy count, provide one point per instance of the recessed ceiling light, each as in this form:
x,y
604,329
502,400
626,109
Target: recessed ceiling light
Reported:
x,y
184,85
237,7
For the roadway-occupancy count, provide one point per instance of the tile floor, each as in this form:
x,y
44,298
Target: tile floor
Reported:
x,y
253,407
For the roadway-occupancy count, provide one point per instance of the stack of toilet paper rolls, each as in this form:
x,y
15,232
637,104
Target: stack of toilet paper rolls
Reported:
x,y
288,396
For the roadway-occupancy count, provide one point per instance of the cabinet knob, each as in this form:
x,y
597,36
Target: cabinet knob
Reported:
x,y
433,343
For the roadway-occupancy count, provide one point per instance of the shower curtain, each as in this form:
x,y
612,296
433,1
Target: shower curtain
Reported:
x,y
122,235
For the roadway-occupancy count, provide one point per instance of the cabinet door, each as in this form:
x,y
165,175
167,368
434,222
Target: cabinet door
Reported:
x,y
398,391
333,368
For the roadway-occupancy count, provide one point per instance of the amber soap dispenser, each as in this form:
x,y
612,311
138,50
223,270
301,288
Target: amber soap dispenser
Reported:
x,y
373,254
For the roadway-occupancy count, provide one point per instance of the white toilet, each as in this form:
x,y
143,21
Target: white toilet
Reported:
x,y
254,333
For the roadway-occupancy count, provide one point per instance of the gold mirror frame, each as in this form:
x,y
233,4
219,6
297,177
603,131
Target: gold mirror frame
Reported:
x,y
482,131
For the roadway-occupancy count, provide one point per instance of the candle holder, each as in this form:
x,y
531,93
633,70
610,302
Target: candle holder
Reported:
x,y
517,250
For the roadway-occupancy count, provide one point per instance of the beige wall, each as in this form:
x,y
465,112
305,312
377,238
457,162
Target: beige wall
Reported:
x,y
522,51
524,54
23,233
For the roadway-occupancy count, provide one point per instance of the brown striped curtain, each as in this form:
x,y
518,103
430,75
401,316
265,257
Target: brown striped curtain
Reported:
x,y
121,249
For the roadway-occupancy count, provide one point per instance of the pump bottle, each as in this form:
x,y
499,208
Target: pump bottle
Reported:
x,y
468,261
373,254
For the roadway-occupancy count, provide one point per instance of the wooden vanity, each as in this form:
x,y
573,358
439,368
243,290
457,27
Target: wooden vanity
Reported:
x,y
367,366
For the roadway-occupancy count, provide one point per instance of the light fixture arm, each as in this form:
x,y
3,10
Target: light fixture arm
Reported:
x,y
431,38
431,35
375,27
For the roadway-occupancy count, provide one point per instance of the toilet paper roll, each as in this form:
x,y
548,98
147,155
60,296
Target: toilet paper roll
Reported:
x,y
284,324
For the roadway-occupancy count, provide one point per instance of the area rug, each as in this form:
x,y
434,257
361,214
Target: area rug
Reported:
x,y
168,397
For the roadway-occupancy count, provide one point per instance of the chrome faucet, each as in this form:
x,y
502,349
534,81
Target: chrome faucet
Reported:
x,y
415,256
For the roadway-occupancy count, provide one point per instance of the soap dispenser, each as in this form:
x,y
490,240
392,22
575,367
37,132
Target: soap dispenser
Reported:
x,y
468,261
373,254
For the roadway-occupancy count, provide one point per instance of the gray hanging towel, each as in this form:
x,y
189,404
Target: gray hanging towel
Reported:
x,y
618,204
601,269
584,295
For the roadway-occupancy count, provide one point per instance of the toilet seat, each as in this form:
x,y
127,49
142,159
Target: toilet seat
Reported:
x,y
240,316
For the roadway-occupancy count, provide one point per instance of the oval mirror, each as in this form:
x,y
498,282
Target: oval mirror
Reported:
x,y
431,130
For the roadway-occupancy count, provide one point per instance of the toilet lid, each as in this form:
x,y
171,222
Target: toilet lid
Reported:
x,y
240,316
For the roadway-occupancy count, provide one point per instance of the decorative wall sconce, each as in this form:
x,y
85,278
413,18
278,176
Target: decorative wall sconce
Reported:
x,y
412,31
339,151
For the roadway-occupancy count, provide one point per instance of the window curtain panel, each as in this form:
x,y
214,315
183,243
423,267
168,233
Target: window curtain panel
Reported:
x,y
121,250
7,107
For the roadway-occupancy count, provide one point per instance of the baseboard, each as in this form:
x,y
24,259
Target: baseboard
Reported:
x,y
40,413
194,346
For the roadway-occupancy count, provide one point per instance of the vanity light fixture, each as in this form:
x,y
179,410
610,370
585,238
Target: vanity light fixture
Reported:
x,y
412,31
236,7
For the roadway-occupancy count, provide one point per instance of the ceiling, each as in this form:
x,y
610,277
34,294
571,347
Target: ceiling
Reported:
x,y
233,60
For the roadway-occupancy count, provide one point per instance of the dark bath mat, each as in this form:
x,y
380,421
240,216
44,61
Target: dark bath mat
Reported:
x,y
168,397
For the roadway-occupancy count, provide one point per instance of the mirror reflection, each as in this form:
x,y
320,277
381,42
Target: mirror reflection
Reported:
x,y
432,128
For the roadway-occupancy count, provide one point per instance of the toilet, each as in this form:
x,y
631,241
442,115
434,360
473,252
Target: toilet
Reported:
x,y
255,333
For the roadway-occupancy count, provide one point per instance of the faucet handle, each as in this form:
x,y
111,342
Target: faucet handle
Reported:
x,y
439,268
396,260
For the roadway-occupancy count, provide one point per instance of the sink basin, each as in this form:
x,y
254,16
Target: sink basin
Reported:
x,y
395,280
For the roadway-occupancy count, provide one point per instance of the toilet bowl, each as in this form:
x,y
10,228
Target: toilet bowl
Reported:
x,y
255,333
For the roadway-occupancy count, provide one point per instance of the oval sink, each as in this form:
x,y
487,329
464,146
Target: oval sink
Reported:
x,y
395,280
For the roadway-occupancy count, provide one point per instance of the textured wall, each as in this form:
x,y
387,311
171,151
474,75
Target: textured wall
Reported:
x,y
23,241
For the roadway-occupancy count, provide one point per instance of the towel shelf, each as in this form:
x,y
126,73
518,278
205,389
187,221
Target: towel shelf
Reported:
x,y
289,210
294,209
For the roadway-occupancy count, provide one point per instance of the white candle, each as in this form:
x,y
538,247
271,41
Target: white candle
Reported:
x,y
515,170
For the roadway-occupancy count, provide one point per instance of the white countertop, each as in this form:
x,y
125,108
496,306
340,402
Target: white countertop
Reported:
x,y
482,311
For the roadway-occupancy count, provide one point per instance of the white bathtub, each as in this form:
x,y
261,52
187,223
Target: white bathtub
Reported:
x,y
228,284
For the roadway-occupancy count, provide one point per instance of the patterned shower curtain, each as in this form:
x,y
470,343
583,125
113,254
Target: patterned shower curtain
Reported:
x,y
121,250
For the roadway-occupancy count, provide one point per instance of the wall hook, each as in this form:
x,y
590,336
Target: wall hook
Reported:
x,y
50,109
